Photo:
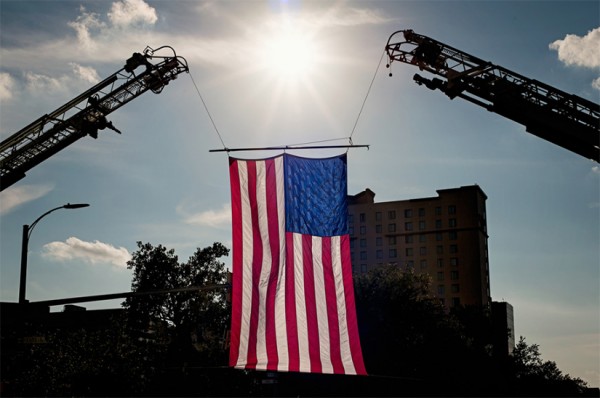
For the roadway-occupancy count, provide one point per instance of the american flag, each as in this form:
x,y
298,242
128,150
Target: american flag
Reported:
x,y
292,294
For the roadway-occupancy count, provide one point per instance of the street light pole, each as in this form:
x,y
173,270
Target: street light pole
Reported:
x,y
25,243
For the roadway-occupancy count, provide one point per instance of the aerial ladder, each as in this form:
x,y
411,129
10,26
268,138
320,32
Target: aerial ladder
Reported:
x,y
86,114
563,119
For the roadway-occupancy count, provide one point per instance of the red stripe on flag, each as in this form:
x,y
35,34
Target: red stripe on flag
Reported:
x,y
352,323
237,268
290,306
332,309
257,255
312,321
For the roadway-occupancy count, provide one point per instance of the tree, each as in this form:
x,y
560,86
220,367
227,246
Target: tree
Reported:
x,y
404,330
407,333
171,328
170,342
534,376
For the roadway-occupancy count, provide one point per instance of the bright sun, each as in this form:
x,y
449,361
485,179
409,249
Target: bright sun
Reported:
x,y
288,54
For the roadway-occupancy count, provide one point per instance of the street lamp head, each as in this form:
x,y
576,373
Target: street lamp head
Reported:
x,y
75,205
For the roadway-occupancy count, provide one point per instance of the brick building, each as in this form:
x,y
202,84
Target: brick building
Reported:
x,y
444,236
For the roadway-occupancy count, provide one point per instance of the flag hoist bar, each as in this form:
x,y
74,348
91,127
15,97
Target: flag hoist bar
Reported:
x,y
287,147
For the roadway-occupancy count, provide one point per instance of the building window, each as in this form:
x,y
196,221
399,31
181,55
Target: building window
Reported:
x,y
421,225
363,268
438,236
363,255
351,218
454,275
440,276
408,226
378,228
423,250
438,211
393,253
352,243
439,249
362,217
351,230
452,209
408,239
440,262
421,212
363,229
423,264
438,224
455,288
379,254
452,223
422,238
441,290
392,240
379,241
363,243
378,216
456,301
392,215
453,248
391,227
453,235
454,261
408,213
410,264
409,251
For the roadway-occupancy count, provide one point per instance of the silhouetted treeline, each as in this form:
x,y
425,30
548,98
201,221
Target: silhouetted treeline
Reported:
x,y
176,344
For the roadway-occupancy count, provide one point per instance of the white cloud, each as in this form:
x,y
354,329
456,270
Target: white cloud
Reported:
x,y
132,12
85,73
210,218
40,83
90,252
37,82
352,17
579,51
6,86
13,197
83,26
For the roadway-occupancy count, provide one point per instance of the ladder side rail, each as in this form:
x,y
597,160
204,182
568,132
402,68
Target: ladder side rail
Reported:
x,y
37,125
37,128
61,129
65,132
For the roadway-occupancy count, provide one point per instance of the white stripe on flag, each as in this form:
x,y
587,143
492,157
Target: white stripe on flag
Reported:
x,y
280,314
300,304
341,304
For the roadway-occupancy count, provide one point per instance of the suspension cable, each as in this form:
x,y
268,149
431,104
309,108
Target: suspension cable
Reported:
x,y
208,112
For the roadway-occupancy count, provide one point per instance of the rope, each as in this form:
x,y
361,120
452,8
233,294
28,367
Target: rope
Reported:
x,y
208,112
366,96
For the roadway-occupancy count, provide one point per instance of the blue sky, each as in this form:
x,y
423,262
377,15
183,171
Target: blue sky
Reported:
x,y
158,183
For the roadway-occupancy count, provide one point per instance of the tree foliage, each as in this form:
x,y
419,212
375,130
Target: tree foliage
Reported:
x,y
407,334
403,329
534,376
190,325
